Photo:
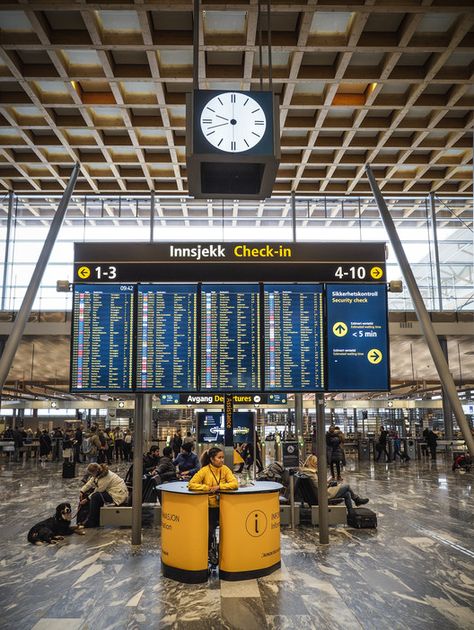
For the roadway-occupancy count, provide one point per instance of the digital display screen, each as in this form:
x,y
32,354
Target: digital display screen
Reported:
x,y
357,331
166,337
293,322
211,427
102,338
230,348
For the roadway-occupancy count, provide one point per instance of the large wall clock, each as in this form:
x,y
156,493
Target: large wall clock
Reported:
x,y
233,122
232,144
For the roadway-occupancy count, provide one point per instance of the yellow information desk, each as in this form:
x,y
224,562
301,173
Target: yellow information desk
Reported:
x,y
249,544
184,533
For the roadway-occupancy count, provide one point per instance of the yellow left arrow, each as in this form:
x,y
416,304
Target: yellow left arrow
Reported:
x,y
83,272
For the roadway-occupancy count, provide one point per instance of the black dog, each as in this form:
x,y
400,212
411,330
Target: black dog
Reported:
x,y
54,528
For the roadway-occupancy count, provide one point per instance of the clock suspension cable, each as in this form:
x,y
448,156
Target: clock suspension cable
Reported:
x,y
196,19
269,44
260,60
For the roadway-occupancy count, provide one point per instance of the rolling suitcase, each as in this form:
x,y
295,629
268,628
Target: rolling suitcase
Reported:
x,y
69,470
362,518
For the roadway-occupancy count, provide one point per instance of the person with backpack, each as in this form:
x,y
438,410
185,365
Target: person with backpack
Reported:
x,y
95,445
127,446
118,439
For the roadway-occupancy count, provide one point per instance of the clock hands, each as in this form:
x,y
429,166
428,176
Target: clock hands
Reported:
x,y
244,115
215,126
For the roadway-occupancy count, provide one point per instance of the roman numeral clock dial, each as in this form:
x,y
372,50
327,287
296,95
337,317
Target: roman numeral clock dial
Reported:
x,y
233,122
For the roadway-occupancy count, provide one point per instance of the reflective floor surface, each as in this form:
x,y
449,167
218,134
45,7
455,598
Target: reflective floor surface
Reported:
x,y
415,571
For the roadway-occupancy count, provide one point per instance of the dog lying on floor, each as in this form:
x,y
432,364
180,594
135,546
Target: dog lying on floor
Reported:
x,y
55,528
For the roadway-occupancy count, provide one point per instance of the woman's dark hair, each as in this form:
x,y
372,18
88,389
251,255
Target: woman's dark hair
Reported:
x,y
187,446
209,454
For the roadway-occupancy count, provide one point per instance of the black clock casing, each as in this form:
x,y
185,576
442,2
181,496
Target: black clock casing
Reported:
x,y
214,173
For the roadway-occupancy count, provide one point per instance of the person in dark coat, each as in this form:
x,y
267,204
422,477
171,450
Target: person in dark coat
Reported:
x,y
382,444
334,452
166,471
431,439
187,461
177,443
77,445
44,445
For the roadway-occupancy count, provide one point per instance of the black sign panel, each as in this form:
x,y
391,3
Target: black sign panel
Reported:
x,y
294,337
218,399
357,323
230,350
228,423
223,262
102,338
290,454
166,337
211,427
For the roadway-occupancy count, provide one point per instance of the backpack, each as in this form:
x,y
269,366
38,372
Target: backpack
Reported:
x,y
86,446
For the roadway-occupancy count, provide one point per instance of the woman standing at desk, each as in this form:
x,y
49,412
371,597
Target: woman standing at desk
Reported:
x,y
213,477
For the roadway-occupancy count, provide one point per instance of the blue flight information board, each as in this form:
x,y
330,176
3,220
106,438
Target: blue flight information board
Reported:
x,y
230,348
166,337
102,338
357,331
293,323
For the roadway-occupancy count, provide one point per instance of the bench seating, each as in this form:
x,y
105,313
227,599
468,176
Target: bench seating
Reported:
x,y
337,515
121,516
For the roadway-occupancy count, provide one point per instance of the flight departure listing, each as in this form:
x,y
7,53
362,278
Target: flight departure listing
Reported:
x,y
357,337
230,348
166,337
102,339
293,335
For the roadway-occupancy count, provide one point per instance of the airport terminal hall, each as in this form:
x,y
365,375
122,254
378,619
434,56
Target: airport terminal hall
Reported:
x,y
236,314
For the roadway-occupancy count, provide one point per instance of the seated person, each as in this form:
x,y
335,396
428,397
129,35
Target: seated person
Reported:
x,y
213,477
151,459
335,490
104,486
166,470
187,461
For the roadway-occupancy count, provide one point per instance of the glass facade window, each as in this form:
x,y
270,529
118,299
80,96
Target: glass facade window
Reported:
x,y
106,218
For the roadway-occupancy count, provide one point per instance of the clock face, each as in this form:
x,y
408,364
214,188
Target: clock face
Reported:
x,y
233,122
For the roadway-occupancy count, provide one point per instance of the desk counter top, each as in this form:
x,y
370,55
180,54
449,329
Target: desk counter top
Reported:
x,y
181,487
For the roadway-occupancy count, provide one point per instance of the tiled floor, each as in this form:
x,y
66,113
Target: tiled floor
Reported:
x,y
415,571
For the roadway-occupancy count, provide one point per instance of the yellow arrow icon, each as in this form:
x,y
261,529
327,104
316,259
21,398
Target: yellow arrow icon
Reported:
x,y
376,273
83,272
339,329
374,356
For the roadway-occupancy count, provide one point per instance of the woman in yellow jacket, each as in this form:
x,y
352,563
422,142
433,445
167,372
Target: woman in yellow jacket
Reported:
x,y
213,477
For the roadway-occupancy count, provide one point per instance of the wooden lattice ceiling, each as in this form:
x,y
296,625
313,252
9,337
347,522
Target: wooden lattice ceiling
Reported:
x,y
378,81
